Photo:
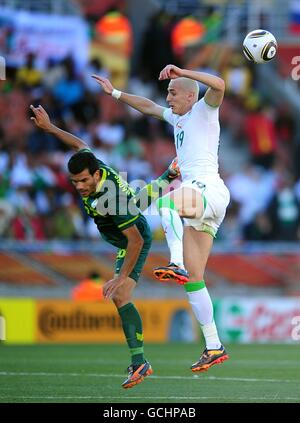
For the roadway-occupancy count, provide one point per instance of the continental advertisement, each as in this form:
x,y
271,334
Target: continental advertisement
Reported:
x,y
17,320
66,321
239,320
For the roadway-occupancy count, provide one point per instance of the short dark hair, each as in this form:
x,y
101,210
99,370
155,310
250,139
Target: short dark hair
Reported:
x,y
83,160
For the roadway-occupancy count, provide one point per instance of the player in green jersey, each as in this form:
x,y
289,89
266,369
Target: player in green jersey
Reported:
x,y
116,210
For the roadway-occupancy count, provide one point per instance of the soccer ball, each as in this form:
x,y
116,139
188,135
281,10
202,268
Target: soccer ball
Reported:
x,y
260,46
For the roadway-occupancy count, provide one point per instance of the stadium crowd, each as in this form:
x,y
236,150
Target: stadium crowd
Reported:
x,y
259,148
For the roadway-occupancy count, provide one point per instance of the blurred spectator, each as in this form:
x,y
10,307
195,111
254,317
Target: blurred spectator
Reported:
x,y
38,142
28,76
112,45
213,23
90,289
69,89
156,49
286,135
6,214
231,230
187,32
27,225
108,136
62,224
259,229
252,188
284,211
4,183
54,73
237,76
211,52
95,66
261,133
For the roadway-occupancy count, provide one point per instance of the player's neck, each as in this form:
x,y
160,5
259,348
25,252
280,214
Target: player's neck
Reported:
x,y
186,111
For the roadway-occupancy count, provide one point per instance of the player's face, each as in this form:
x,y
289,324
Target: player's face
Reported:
x,y
178,98
85,183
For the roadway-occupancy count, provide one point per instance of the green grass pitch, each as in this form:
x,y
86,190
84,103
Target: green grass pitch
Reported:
x,y
94,373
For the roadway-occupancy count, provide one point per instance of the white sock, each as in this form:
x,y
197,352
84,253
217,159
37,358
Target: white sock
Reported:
x,y
173,228
211,336
203,309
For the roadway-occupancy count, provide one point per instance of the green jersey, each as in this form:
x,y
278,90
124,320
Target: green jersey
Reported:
x,y
112,206
116,206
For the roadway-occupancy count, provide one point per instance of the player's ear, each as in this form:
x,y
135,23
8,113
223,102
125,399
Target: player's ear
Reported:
x,y
97,174
191,95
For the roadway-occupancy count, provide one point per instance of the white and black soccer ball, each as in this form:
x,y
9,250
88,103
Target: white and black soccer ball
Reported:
x,y
260,46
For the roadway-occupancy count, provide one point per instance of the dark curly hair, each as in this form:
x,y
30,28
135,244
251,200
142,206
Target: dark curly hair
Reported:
x,y
83,160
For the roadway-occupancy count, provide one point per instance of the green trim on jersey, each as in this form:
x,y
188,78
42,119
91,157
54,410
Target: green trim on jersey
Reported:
x,y
103,179
129,221
208,229
112,206
213,107
204,201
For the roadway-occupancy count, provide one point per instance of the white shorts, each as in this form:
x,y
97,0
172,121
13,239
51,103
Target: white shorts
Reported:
x,y
215,197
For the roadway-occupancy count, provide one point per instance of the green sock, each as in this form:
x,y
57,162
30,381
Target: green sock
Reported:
x,y
132,327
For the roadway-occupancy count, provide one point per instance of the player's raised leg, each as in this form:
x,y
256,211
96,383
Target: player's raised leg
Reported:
x,y
173,229
184,202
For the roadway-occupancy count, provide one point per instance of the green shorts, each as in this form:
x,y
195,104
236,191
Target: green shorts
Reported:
x,y
145,231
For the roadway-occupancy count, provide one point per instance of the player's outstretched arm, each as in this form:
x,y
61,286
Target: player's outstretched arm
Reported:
x,y
215,93
42,121
142,104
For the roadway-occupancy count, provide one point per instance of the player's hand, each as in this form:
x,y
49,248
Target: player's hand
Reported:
x,y
110,287
105,84
173,169
170,72
41,118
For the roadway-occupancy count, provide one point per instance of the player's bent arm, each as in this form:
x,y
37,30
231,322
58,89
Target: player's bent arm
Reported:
x,y
215,93
143,105
134,246
213,97
67,138
42,121
211,81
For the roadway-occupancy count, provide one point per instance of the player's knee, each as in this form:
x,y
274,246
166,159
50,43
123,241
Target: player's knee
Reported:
x,y
190,213
118,300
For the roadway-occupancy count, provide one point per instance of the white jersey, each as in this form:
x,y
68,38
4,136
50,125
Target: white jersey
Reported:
x,y
196,136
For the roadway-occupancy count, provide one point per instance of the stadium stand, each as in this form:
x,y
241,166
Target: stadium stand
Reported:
x,y
14,270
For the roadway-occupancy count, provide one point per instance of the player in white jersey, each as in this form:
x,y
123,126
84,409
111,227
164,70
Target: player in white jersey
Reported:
x,y
202,197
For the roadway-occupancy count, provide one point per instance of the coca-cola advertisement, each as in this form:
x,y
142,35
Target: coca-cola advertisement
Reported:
x,y
245,320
